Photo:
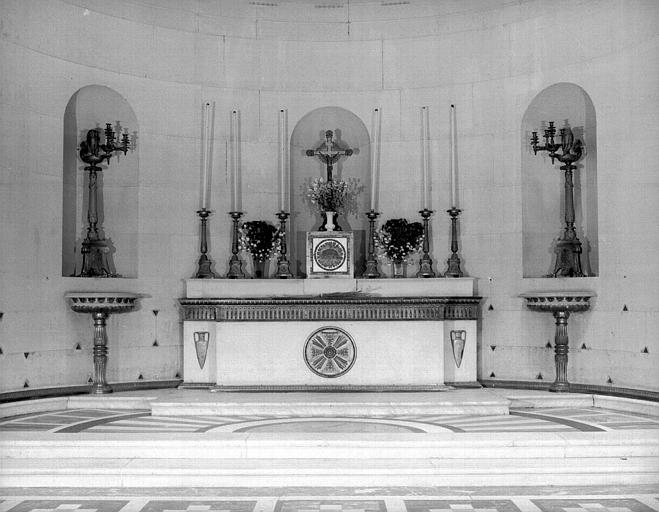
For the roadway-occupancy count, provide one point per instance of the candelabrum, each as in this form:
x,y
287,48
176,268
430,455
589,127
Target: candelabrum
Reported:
x,y
425,263
94,247
371,260
568,247
235,265
204,265
283,265
454,260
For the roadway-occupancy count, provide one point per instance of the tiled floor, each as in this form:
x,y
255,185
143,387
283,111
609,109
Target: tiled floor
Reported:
x,y
584,419
639,499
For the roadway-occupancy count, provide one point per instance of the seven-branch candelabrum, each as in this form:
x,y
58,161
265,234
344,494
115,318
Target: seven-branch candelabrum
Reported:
x,y
371,258
204,265
94,247
425,263
235,264
568,247
283,265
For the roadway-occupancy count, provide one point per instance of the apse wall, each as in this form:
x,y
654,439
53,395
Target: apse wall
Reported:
x,y
489,58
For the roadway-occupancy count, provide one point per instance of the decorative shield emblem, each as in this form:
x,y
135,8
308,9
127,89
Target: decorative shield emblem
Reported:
x,y
458,340
201,346
330,352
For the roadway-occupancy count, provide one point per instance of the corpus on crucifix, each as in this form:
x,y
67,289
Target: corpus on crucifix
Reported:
x,y
329,152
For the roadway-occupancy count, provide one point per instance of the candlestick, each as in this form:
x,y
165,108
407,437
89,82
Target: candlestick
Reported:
x,y
204,265
454,259
375,159
371,261
283,161
283,265
235,171
453,165
425,263
235,265
425,180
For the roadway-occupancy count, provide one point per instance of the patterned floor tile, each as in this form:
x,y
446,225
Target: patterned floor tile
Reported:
x,y
330,506
461,506
198,506
98,505
591,505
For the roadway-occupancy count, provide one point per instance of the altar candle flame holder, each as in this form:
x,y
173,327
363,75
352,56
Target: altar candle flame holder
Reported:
x,y
204,265
371,271
454,260
283,265
235,265
425,263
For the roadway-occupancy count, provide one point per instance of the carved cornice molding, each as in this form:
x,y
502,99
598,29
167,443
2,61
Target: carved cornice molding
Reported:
x,y
320,308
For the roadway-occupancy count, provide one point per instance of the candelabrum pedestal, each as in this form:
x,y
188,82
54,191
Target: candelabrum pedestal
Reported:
x,y
283,265
371,271
560,304
100,305
235,265
454,260
425,263
568,248
204,265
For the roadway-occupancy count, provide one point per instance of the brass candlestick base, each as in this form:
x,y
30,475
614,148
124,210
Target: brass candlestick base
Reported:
x,y
283,265
204,264
371,271
454,260
425,263
235,265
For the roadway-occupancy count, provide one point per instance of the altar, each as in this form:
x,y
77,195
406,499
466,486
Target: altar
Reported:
x,y
329,334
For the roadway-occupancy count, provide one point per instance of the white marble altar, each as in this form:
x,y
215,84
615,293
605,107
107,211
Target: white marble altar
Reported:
x,y
344,334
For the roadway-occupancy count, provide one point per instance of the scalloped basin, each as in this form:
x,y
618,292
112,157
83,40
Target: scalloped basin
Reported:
x,y
110,302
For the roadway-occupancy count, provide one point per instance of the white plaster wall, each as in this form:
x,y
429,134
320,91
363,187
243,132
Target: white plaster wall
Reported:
x,y
490,58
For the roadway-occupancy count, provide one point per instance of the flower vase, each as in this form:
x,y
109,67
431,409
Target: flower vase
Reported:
x,y
398,268
329,222
259,269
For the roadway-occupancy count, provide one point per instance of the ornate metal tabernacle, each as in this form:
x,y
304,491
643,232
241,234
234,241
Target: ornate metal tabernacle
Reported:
x,y
330,308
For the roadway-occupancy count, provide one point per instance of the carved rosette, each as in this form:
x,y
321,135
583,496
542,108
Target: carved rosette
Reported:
x,y
330,352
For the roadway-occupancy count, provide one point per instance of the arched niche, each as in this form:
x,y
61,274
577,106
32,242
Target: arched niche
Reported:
x,y
91,107
309,133
543,184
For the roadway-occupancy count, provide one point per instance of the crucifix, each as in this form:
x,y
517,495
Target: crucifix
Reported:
x,y
329,153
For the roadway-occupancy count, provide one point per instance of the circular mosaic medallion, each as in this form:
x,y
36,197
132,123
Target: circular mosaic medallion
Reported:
x,y
330,254
330,352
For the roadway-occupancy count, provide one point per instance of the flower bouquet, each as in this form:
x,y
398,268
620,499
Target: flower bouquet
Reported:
x,y
334,196
397,239
261,239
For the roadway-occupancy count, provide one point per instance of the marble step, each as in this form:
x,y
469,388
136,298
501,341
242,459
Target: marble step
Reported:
x,y
177,472
226,407
342,446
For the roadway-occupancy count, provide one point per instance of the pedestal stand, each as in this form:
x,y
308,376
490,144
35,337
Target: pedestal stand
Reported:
x,y
425,264
560,304
235,265
454,260
101,305
283,265
371,271
204,265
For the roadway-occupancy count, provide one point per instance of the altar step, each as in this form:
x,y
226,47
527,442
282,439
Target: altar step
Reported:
x,y
332,404
578,458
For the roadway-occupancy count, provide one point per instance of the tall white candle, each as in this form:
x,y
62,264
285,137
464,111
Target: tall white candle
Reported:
x,y
453,165
283,161
206,129
375,159
235,169
425,175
